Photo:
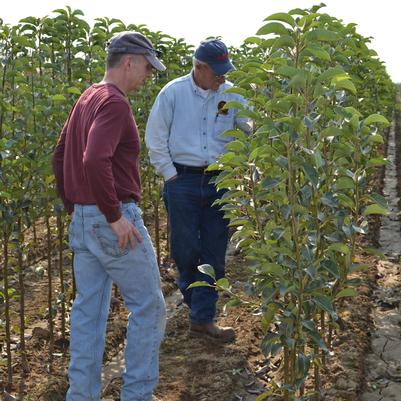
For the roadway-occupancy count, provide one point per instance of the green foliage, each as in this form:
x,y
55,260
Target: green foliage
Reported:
x,y
298,187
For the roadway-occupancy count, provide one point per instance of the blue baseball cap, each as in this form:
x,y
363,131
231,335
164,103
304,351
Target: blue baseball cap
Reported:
x,y
214,53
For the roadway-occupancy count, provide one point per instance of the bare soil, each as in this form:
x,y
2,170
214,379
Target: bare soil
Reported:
x,y
196,369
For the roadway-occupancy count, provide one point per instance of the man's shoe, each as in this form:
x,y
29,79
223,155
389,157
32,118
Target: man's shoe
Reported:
x,y
213,332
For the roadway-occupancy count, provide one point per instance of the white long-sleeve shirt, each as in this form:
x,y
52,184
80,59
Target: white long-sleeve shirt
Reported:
x,y
185,124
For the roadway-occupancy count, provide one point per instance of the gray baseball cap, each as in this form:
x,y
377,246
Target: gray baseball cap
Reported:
x,y
135,43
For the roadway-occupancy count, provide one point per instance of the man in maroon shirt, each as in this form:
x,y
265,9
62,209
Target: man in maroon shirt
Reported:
x,y
96,164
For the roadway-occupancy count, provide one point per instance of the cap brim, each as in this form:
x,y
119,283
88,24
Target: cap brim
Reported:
x,y
222,68
156,63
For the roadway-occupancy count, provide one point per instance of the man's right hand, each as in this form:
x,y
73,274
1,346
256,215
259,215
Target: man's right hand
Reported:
x,y
126,233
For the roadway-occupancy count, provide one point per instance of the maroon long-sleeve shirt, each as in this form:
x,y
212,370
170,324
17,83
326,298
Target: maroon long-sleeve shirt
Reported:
x,y
96,160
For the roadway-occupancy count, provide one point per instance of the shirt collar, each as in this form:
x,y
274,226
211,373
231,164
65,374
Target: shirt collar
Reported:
x,y
198,90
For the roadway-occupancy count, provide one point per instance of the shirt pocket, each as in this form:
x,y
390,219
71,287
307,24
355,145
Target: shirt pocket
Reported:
x,y
223,123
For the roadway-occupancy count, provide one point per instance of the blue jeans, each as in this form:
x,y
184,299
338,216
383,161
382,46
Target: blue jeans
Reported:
x,y
98,262
199,235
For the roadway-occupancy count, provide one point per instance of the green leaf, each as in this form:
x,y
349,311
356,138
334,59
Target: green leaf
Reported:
x,y
318,340
309,325
346,292
59,98
311,174
331,131
223,283
283,17
283,41
316,51
338,247
23,41
298,81
323,302
232,303
270,182
236,146
378,161
208,270
263,396
345,183
379,199
254,40
376,119
248,114
235,133
375,209
351,110
376,138
273,269
273,27
287,71
302,365
322,35
331,73
332,268
233,104
200,284
235,89
343,83
74,90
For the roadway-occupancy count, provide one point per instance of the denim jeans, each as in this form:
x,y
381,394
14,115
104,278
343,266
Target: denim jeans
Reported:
x,y
98,262
199,235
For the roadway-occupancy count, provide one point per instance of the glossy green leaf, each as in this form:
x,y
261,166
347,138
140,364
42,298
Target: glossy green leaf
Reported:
x,y
233,104
345,183
208,270
223,283
200,284
344,83
376,119
375,209
331,131
273,27
58,98
324,302
342,248
323,35
287,71
283,17
330,73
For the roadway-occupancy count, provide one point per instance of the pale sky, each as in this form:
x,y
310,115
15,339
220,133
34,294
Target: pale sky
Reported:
x,y
233,20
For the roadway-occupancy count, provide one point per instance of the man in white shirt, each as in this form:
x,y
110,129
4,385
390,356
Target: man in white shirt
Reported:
x,y
183,135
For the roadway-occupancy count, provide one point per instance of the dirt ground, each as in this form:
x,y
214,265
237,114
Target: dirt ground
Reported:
x,y
196,369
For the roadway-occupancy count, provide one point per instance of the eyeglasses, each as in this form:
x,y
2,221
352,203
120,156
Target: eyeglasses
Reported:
x,y
218,77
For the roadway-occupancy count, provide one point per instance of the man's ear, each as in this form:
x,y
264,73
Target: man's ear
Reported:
x,y
128,60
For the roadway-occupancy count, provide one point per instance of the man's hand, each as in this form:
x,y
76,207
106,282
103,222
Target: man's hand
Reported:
x,y
126,232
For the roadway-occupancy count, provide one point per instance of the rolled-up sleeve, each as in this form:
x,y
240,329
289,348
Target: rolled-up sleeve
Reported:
x,y
244,123
157,136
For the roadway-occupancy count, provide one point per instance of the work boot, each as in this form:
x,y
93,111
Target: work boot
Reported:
x,y
212,331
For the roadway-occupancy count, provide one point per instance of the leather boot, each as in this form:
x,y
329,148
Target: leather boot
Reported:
x,y
212,331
